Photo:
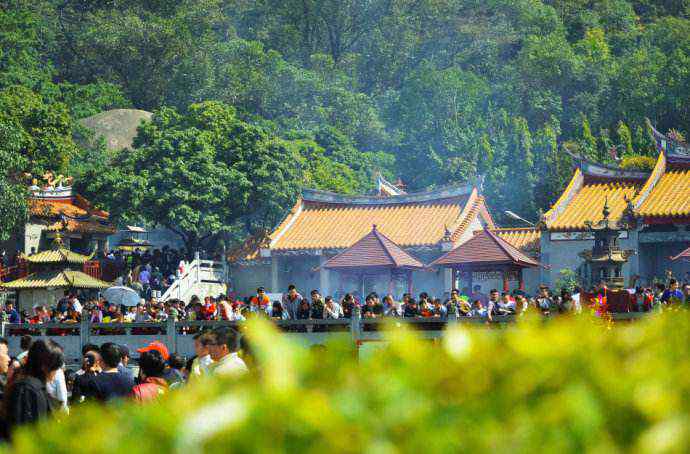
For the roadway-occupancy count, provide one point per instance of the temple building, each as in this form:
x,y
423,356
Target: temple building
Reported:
x,y
419,226
655,206
57,210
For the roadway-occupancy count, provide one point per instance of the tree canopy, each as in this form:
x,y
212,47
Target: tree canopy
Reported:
x,y
431,91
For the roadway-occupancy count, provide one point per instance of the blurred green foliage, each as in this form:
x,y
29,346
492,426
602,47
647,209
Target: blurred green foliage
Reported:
x,y
566,385
635,162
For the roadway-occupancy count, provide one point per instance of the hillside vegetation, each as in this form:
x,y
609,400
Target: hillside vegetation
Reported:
x,y
456,88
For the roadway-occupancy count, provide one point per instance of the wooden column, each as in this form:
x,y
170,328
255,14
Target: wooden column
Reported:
x,y
454,279
390,282
409,282
506,287
521,279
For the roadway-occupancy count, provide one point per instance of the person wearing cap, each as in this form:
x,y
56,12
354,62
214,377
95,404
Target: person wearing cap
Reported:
x,y
170,375
223,350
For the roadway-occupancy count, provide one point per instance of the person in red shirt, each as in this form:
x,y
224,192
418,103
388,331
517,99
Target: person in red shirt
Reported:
x,y
260,299
151,385
209,308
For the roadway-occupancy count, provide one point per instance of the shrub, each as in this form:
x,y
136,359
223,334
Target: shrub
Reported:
x,y
567,385
638,162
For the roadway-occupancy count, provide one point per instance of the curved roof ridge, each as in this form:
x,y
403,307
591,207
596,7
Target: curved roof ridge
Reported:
x,y
671,147
598,170
566,197
657,173
314,195
386,188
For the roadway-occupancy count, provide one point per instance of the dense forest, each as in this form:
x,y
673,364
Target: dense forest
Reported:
x,y
255,99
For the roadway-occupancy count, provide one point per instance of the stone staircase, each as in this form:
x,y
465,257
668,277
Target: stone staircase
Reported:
x,y
201,278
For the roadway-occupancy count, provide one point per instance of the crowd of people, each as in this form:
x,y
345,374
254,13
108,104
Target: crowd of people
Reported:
x,y
36,383
295,306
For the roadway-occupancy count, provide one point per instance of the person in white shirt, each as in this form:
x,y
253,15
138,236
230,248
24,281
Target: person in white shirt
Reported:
x,y
223,350
57,389
76,305
203,360
332,309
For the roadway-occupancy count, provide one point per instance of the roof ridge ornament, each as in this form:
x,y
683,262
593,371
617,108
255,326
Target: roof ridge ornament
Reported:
x,y
606,211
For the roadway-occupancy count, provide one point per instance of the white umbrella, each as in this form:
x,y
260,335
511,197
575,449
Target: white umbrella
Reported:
x,y
122,295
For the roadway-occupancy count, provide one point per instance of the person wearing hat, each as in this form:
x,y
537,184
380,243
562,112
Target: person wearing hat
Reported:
x,y
170,375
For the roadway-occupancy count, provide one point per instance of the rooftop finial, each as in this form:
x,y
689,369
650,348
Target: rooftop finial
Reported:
x,y
605,211
446,233
57,241
373,227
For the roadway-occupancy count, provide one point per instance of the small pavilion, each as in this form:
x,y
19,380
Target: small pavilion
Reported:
x,y
53,271
486,252
375,255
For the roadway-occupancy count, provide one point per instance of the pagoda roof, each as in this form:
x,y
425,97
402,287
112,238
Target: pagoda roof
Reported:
x,y
65,211
56,279
374,250
666,194
485,250
58,255
324,220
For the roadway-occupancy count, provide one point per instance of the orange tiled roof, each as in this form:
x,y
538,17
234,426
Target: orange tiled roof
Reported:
x,y
584,197
374,250
53,208
670,195
589,201
329,221
88,226
525,239
485,249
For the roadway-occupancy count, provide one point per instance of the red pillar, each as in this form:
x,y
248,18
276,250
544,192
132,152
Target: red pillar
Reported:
x,y
521,280
506,287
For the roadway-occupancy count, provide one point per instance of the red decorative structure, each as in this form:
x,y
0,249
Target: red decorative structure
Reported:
x,y
93,269
375,254
486,252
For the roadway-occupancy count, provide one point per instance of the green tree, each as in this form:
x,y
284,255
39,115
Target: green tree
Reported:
x,y
201,173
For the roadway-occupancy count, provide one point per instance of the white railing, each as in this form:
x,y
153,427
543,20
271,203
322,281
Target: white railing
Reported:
x,y
198,271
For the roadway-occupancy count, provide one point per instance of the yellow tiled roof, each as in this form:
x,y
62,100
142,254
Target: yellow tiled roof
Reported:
x,y
670,196
60,255
588,202
323,225
525,239
57,279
